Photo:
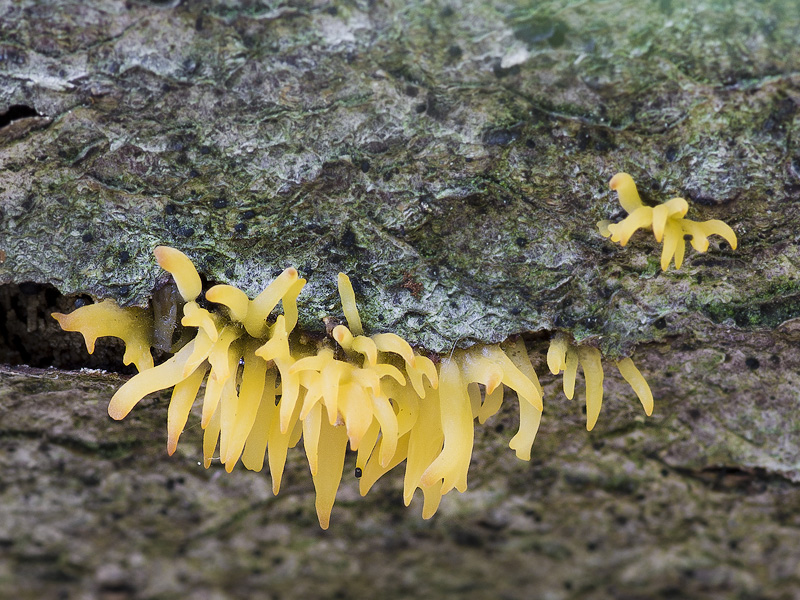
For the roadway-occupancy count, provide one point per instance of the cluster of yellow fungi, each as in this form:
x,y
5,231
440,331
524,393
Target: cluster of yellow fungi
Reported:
x,y
266,387
666,220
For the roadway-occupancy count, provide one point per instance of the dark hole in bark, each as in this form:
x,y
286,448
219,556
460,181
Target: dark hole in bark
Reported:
x,y
16,112
30,336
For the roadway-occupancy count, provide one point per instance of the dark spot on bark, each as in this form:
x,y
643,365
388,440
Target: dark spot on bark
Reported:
x,y
240,228
671,153
220,203
82,301
185,231
170,209
595,139
447,11
530,143
364,166
205,150
752,363
248,214
229,273
540,30
124,256
332,10
420,108
521,241
348,239
501,72
780,116
455,52
412,91
515,310
500,137
87,237
660,323
190,65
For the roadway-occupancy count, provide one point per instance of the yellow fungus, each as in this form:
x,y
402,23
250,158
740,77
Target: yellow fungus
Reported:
x,y
183,396
666,220
390,403
638,383
590,360
234,298
348,297
529,416
261,306
182,270
132,325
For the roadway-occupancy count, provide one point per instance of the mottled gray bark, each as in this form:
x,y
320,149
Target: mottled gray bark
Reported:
x,y
453,158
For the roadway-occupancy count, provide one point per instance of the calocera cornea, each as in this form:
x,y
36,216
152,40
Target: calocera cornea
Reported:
x,y
667,221
266,388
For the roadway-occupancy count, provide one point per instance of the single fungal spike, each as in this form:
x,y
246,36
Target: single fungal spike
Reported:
x,y
570,372
348,297
529,416
364,345
677,207
182,270
343,336
391,342
622,232
234,298
716,227
161,377
637,382
452,463
183,396
332,448
672,239
194,316
557,353
261,306
659,221
593,372
629,198
289,302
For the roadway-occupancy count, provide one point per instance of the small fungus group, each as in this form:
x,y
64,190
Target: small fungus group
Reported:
x,y
666,221
267,386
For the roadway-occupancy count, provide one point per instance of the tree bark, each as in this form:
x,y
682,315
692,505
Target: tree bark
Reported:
x,y
453,159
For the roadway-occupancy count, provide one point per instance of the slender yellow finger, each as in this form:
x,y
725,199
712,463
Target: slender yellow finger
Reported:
x,y
637,382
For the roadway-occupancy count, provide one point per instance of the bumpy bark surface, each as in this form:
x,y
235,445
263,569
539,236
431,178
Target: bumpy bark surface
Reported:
x,y
453,158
